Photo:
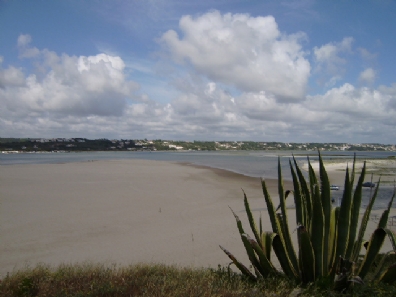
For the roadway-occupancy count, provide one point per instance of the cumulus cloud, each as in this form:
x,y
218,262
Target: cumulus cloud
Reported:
x,y
247,52
24,40
390,93
367,76
26,51
67,85
330,61
354,105
328,53
239,88
366,55
11,77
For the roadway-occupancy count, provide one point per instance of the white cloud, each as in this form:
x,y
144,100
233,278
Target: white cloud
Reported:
x,y
349,104
367,76
247,52
244,80
390,92
328,53
24,40
11,77
66,85
25,51
330,61
366,55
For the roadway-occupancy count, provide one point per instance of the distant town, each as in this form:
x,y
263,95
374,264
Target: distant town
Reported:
x,y
21,145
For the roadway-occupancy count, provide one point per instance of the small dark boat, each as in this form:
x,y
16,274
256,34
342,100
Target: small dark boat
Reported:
x,y
368,185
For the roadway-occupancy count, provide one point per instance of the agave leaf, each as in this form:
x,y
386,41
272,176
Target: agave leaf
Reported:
x,y
266,267
353,169
266,243
392,237
375,244
249,250
285,235
333,240
389,276
240,266
306,255
363,226
284,260
305,195
385,215
344,218
326,214
287,193
298,200
287,241
382,265
317,234
270,207
251,218
357,199
313,181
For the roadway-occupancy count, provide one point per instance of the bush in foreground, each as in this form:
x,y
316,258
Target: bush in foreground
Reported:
x,y
330,239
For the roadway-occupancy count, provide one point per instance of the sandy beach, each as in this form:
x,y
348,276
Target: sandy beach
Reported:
x,y
124,212
375,169
120,212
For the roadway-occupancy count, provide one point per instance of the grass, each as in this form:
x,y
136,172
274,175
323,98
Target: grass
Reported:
x,y
157,280
140,280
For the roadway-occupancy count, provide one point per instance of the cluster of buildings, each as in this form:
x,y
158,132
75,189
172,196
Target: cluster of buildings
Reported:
x,y
83,144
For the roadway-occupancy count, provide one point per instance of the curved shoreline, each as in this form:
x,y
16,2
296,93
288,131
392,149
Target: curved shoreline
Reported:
x,y
120,211
124,212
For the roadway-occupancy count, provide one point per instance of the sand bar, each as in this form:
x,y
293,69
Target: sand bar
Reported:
x,y
384,169
123,212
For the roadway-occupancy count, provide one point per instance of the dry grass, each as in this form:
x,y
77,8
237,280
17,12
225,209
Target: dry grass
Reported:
x,y
143,280
157,280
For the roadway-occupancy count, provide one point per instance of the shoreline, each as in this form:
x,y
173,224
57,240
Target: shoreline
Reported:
x,y
376,169
125,212
120,211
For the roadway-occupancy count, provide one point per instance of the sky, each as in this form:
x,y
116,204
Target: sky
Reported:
x,y
233,70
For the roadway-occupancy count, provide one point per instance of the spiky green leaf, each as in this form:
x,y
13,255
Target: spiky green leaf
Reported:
x,y
344,219
375,244
266,267
306,255
240,266
251,218
363,226
357,199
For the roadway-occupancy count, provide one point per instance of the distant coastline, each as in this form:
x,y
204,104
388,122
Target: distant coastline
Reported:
x,y
62,145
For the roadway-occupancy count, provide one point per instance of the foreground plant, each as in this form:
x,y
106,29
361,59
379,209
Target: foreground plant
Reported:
x,y
330,239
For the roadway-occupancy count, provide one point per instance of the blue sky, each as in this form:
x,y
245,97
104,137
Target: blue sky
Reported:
x,y
292,71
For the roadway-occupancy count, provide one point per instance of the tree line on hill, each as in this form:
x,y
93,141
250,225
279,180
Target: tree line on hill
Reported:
x,y
84,144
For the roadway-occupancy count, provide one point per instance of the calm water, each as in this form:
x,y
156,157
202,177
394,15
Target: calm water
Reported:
x,y
251,163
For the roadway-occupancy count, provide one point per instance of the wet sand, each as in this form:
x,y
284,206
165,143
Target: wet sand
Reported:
x,y
120,212
124,212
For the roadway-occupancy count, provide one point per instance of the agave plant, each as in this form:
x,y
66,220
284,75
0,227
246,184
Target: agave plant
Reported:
x,y
330,239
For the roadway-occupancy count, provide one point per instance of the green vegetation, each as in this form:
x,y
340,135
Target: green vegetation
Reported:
x,y
159,280
83,144
329,239
143,280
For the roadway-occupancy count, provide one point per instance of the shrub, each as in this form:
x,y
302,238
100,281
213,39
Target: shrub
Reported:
x,y
329,238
